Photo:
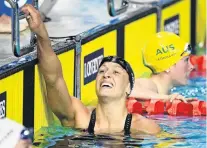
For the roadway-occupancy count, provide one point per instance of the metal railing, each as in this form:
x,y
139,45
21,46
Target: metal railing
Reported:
x,y
16,17
125,4
114,12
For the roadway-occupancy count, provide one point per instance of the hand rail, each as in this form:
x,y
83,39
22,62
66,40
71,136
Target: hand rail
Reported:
x,y
111,9
16,17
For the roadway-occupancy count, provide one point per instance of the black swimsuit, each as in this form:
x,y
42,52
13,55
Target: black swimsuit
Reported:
x,y
127,124
99,139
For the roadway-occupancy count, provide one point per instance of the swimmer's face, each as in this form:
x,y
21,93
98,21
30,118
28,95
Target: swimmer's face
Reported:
x,y
112,81
181,70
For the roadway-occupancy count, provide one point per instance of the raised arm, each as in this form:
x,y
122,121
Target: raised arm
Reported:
x,y
58,98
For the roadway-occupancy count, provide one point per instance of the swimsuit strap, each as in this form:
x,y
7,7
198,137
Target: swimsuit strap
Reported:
x,y
127,125
92,122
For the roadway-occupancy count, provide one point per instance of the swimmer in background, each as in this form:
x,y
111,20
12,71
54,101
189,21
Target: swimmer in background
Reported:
x,y
26,137
114,83
14,135
168,57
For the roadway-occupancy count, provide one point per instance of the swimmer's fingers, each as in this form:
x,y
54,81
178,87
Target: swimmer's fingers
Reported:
x,y
32,15
173,97
29,9
191,99
182,98
177,97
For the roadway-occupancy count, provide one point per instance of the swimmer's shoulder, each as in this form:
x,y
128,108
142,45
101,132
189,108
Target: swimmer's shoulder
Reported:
x,y
82,114
146,83
144,125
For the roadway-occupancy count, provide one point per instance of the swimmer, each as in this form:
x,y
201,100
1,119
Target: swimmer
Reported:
x,y
25,140
15,135
114,82
167,55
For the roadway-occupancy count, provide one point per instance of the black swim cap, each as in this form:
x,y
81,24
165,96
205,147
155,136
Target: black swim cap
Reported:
x,y
124,64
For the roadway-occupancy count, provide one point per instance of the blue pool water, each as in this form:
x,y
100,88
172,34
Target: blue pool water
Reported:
x,y
178,131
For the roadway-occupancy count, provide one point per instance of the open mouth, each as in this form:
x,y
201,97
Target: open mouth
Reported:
x,y
106,85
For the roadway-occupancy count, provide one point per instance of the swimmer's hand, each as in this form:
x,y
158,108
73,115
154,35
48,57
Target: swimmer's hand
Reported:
x,y
35,22
177,96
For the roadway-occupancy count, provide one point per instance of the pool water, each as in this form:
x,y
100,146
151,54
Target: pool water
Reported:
x,y
178,131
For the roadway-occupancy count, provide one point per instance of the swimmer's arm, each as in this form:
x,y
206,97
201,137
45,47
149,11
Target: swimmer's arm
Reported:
x,y
62,104
58,98
147,126
144,92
